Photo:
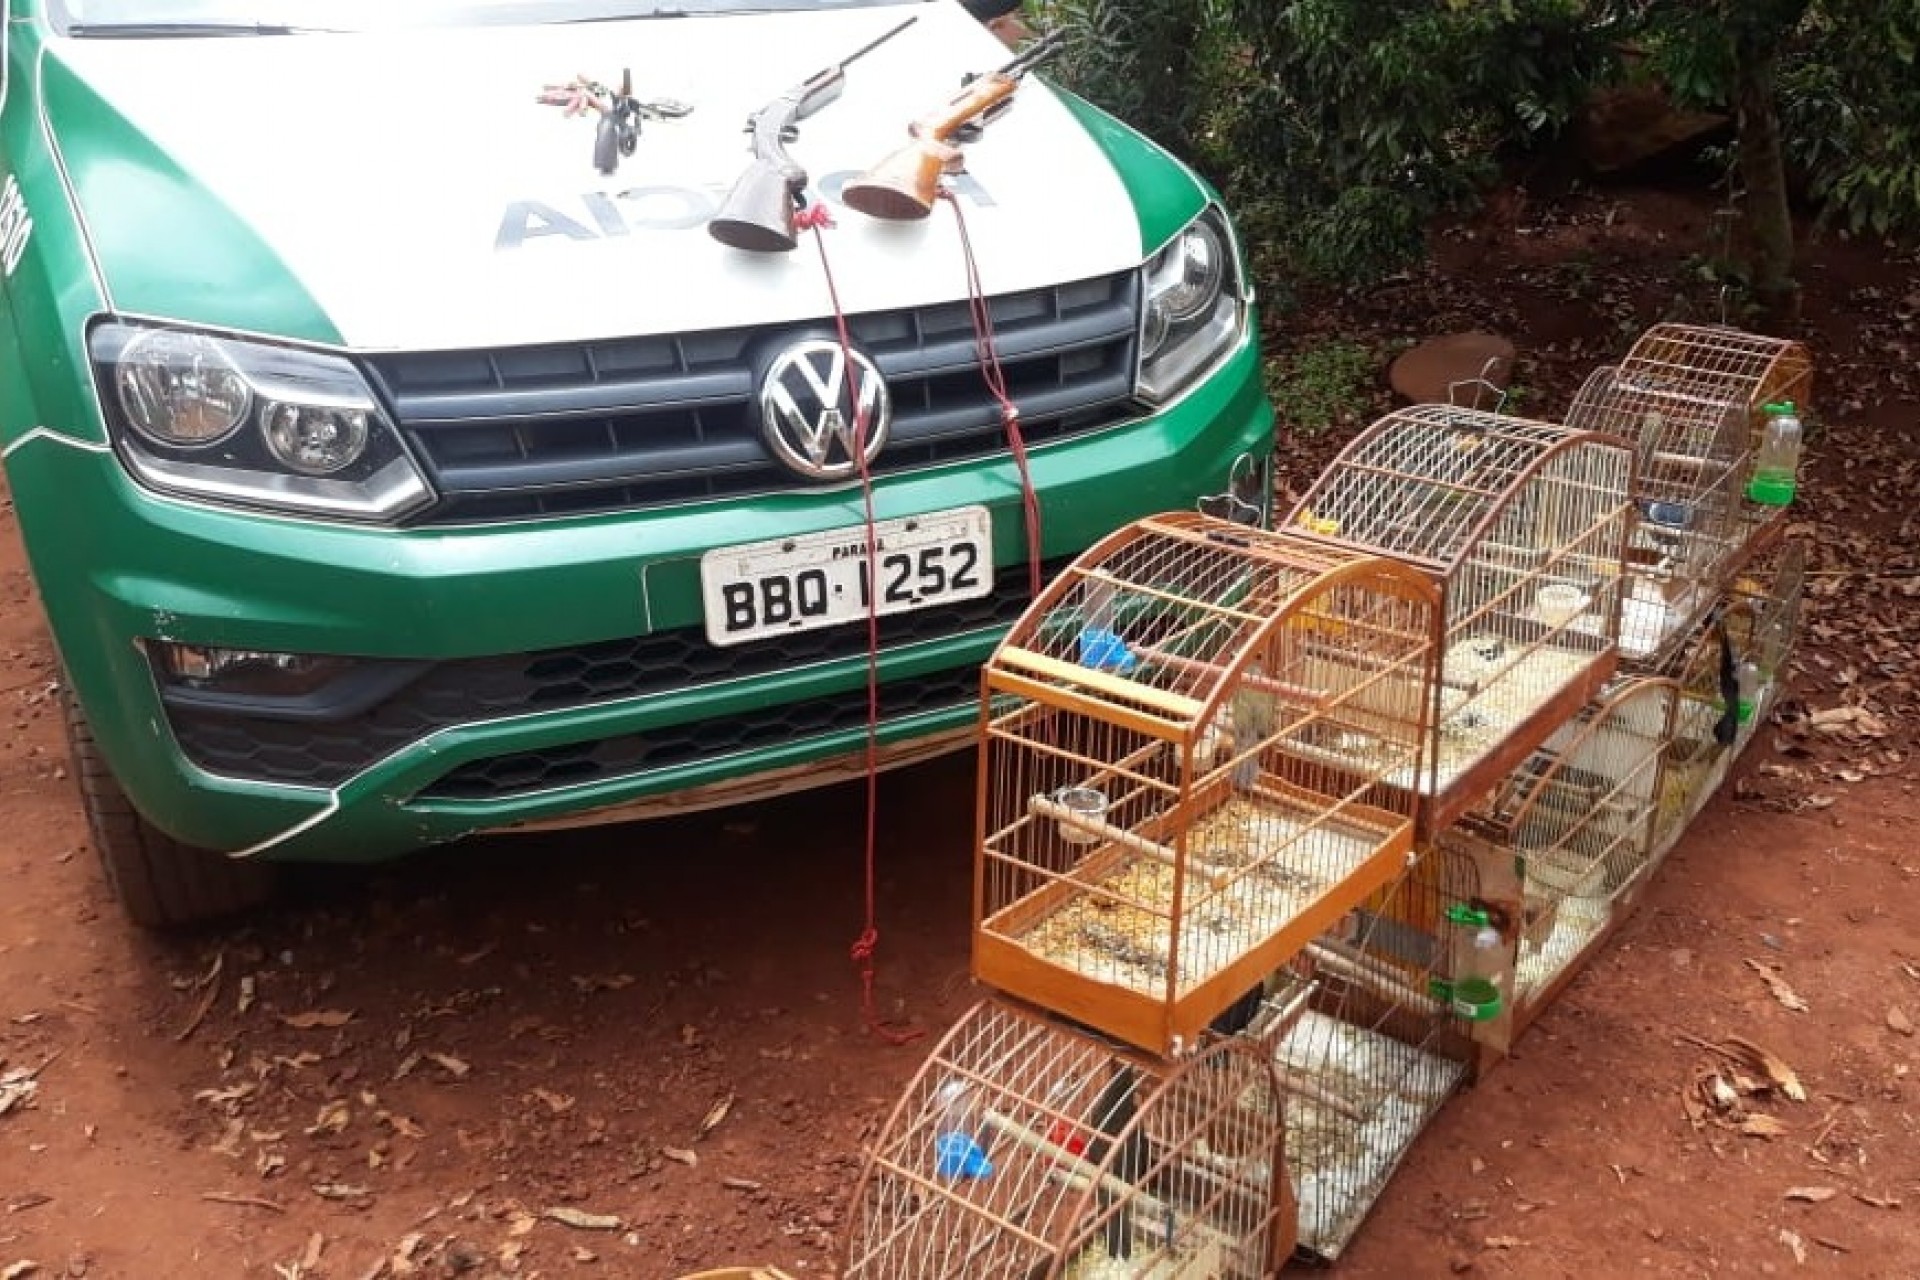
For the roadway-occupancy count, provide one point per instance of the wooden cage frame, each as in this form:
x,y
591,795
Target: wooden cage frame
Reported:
x,y
1179,714
1692,401
1191,1151
1449,529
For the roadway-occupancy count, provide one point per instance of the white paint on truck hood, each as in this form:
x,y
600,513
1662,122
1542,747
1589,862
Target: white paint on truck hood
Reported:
x,y
410,181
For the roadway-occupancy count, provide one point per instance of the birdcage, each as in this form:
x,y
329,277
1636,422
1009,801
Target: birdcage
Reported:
x,y
1525,524
1185,744
1025,1147
1729,677
1575,823
1691,400
1367,1045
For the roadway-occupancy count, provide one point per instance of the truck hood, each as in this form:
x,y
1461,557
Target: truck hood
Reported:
x,y
404,190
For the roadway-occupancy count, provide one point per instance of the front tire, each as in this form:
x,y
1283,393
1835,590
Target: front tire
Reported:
x,y
159,882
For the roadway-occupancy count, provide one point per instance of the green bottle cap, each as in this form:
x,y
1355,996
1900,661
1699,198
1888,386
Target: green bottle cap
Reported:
x,y
1780,406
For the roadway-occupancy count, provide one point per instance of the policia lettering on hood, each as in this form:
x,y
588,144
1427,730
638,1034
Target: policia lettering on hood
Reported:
x,y
600,215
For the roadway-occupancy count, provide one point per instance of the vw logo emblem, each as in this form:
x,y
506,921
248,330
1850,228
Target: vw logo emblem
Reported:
x,y
808,412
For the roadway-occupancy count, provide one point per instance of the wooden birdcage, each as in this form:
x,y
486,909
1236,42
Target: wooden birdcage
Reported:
x,y
1525,524
1025,1147
1564,840
1692,401
1186,743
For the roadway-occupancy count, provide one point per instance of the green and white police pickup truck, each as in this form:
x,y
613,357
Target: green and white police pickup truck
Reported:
x,y
389,472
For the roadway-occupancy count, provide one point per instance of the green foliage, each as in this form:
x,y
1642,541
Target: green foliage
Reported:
x,y
1846,86
1339,128
1849,89
1143,60
1363,120
1320,387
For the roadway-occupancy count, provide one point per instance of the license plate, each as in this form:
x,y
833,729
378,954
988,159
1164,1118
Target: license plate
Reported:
x,y
771,588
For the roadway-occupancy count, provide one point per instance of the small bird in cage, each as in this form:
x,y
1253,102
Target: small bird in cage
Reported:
x,y
1255,714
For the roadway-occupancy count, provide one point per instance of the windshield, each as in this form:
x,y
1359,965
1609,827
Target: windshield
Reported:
x,y
292,17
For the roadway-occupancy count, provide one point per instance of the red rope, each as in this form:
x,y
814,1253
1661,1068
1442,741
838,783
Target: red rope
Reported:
x,y
996,379
815,219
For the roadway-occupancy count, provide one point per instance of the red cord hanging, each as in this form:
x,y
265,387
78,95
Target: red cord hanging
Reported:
x,y
816,218
996,380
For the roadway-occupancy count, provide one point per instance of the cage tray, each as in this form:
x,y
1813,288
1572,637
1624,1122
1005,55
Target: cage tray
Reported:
x,y
1339,1164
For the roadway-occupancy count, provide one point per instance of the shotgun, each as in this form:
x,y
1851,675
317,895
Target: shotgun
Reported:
x,y
759,212
905,184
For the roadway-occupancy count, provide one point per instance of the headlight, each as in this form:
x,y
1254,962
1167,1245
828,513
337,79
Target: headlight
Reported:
x,y
180,388
1195,306
252,424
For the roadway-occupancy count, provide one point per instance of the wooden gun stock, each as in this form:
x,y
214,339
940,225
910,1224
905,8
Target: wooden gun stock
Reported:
x,y
904,185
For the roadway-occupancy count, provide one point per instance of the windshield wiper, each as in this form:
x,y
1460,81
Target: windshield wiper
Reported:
x,y
164,30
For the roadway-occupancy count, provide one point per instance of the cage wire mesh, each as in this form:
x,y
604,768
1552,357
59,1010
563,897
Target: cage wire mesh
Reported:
x,y
1025,1147
1578,819
1366,1047
1184,743
1729,677
1691,400
1526,523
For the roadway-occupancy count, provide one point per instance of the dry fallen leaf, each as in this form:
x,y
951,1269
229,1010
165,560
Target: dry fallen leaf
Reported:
x,y
316,1245
17,1088
1898,1021
1786,995
308,1019
682,1155
558,1103
400,1124
1878,1202
590,983
1792,1240
1762,1127
331,1118
19,1270
582,1220
455,1067
715,1114
1812,1195
340,1191
1783,1077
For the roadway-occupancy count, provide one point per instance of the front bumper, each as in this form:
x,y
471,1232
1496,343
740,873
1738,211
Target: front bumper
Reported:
x,y
120,568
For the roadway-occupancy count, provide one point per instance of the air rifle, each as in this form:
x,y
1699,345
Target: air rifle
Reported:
x,y
906,183
759,212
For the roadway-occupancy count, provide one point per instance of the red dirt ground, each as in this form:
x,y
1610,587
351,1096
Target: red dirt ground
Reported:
x,y
402,1075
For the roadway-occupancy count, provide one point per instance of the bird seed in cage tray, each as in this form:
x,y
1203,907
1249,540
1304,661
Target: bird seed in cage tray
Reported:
x,y
1258,861
1202,1262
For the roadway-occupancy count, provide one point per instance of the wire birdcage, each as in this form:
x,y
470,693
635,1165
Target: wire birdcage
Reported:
x,y
1730,676
1025,1147
1578,821
1366,1045
1186,747
1526,525
1692,401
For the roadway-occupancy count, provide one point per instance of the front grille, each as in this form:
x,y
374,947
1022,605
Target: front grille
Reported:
x,y
632,754
626,423
474,690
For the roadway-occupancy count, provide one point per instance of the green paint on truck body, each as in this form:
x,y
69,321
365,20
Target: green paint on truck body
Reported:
x,y
120,567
